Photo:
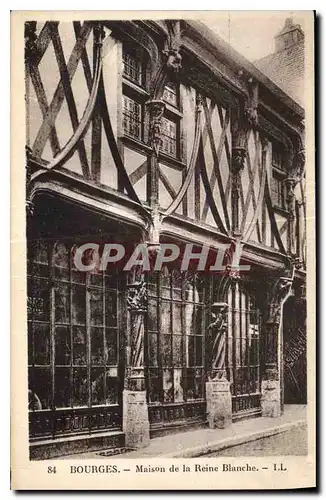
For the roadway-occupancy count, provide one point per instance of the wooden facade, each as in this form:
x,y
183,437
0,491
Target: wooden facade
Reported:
x,y
148,132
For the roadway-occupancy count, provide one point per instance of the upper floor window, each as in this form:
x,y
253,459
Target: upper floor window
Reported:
x,y
278,176
170,94
169,136
278,190
132,68
132,117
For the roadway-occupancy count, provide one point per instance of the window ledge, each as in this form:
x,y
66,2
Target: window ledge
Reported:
x,y
135,86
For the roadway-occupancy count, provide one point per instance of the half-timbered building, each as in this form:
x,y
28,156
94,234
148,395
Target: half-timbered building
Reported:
x,y
158,131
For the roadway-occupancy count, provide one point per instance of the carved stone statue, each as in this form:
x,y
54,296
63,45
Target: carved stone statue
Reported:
x,y
137,296
157,108
218,330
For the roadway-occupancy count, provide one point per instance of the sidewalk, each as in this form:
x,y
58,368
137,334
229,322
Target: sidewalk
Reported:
x,y
204,441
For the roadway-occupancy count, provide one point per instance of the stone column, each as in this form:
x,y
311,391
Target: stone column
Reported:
x,y
271,384
218,394
135,410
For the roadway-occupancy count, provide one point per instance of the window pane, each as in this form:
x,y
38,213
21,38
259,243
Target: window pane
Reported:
x,y
177,350
152,315
132,68
167,351
131,119
190,350
178,389
62,303
199,351
40,251
153,385
168,385
61,261
111,390
62,345
38,302
97,348
111,346
40,388
165,317
177,319
62,387
41,344
170,94
97,384
190,391
78,304
79,343
96,307
80,392
111,309
169,137
152,349
189,310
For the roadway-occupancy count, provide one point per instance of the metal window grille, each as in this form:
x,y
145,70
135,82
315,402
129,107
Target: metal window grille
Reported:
x,y
132,68
132,116
169,137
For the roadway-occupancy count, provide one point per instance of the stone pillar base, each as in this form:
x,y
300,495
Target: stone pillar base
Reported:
x,y
271,398
135,419
219,403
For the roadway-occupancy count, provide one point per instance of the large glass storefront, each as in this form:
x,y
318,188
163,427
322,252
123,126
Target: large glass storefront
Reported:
x,y
76,343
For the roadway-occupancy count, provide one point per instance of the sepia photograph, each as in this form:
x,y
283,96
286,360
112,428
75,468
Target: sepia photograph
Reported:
x,y
165,240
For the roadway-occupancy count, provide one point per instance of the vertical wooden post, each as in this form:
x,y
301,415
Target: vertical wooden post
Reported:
x,y
271,385
135,410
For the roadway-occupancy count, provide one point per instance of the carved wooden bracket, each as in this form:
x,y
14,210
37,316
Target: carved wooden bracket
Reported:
x,y
173,60
251,102
172,48
251,105
278,293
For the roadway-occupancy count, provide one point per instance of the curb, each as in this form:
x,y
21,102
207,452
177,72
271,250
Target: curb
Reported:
x,y
208,448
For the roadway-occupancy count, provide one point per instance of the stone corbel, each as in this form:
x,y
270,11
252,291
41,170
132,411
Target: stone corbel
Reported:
x,y
172,47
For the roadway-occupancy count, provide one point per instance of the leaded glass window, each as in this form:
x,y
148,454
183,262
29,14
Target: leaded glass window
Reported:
x,y
169,136
132,117
175,337
72,331
170,94
243,347
132,68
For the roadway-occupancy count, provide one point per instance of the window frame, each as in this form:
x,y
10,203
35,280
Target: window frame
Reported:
x,y
100,283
